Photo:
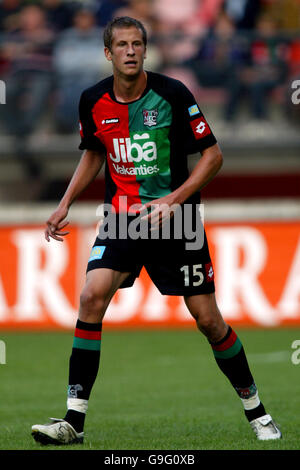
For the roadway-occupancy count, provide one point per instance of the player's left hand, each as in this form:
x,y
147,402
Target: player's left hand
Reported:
x,y
163,209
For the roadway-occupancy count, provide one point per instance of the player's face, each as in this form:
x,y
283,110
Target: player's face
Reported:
x,y
127,52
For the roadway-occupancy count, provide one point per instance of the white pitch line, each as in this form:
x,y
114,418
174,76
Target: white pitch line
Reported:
x,y
275,356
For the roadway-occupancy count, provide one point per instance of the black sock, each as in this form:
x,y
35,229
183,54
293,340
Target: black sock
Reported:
x,y
84,365
231,359
255,412
76,419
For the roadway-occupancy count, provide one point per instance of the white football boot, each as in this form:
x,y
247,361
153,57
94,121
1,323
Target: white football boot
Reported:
x,y
58,432
265,428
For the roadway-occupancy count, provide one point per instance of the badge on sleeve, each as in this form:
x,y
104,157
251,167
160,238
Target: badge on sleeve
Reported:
x,y
193,110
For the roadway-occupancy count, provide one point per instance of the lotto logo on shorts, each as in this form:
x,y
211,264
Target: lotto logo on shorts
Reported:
x,y
209,271
200,128
97,253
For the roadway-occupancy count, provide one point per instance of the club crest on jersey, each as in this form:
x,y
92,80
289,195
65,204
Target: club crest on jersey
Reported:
x,y
150,117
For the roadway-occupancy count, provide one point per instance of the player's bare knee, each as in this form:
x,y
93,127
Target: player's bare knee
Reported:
x,y
206,324
92,305
212,327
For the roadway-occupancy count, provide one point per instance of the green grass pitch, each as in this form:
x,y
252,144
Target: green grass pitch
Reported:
x,y
155,390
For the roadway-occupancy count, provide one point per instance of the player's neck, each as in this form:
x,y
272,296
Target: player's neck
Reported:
x,y
126,90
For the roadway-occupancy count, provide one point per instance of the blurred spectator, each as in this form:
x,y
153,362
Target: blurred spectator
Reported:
x,y
190,16
219,51
206,14
59,13
175,14
286,13
142,11
9,10
105,10
263,70
182,25
292,108
243,13
79,63
294,57
28,80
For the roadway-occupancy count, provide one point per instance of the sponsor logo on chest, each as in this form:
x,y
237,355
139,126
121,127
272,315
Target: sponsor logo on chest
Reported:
x,y
110,121
133,150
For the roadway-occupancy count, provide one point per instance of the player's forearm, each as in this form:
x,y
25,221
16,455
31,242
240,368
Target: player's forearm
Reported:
x,y
86,171
205,170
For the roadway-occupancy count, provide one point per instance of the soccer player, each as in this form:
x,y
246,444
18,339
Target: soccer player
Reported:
x,y
143,125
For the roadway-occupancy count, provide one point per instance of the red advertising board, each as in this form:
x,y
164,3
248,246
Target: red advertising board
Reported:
x,y
256,265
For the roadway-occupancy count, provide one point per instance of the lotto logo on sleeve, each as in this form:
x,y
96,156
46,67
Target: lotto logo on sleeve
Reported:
x,y
80,129
97,253
209,271
200,127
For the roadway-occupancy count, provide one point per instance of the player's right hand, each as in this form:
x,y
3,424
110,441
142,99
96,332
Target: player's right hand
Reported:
x,y
55,224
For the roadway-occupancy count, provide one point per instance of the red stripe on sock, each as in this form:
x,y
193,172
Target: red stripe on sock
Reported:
x,y
85,334
227,344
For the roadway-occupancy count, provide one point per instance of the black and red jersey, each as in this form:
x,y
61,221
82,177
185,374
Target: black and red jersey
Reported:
x,y
146,141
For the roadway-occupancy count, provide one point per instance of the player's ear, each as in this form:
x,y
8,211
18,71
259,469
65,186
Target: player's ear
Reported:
x,y
107,53
145,53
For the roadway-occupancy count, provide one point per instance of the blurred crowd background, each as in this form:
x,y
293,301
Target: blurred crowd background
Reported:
x,y
239,58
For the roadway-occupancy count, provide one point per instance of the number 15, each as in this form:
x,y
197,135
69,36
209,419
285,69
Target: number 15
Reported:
x,y
198,276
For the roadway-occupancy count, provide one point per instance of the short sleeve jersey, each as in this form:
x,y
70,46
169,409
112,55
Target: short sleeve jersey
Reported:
x,y
146,141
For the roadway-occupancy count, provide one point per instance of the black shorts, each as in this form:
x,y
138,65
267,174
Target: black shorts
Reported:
x,y
174,269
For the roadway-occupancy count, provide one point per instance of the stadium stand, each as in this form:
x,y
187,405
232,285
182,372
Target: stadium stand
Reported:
x,y
241,64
